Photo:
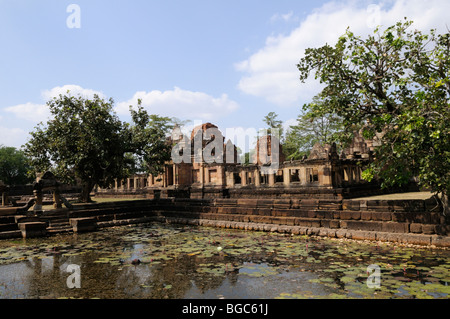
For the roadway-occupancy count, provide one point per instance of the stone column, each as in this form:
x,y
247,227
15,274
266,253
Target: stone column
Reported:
x,y
202,174
257,177
243,178
207,181
56,199
38,203
272,179
229,179
4,198
286,176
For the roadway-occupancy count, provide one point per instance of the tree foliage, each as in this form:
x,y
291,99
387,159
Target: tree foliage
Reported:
x,y
275,126
85,141
395,83
13,166
313,126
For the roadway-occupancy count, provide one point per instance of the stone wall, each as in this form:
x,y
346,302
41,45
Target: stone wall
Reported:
x,y
404,221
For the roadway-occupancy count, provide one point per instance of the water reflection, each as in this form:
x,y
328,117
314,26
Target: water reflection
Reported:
x,y
163,261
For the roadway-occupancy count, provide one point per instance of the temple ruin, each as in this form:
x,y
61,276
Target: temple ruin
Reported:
x,y
324,173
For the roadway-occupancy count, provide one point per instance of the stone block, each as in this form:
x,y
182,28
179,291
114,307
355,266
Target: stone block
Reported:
x,y
428,229
341,233
282,212
247,202
281,203
435,218
330,204
364,225
414,239
350,204
33,229
300,213
350,215
422,217
312,214
346,215
83,224
264,203
392,227
440,241
315,223
355,215
304,222
391,237
366,215
398,217
381,216
415,228
334,224
363,235
309,203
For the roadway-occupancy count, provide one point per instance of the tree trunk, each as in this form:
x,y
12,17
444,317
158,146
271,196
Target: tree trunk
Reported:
x,y
445,204
86,189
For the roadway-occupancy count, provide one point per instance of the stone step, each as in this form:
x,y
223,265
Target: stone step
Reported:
x,y
59,224
10,234
8,227
59,229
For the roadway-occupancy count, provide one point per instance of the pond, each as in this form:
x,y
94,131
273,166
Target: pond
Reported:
x,y
178,261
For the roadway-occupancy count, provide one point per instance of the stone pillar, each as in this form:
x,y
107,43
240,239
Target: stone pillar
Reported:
x,y
207,181
202,174
38,203
4,198
150,180
57,199
243,178
229,179
271,179
325,176
116,184
257,177
286,176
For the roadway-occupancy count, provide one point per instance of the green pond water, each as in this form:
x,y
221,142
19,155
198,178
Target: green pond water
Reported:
x,y
178,261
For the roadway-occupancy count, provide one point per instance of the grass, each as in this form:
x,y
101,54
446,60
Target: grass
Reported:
x,y
398,196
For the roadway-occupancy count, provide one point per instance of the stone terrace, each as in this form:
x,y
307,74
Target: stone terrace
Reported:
x,y
403,221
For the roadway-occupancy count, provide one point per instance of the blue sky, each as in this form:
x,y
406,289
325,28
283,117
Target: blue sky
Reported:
x,y
226,62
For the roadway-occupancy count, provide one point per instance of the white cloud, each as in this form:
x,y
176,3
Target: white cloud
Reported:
x,y
74,90
182,104
35,112
284,17
14,137
271,73
30,111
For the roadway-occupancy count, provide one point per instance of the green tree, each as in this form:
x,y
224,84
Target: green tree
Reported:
x,y
86,142
13,166
274,126
395,84
148,140
313,126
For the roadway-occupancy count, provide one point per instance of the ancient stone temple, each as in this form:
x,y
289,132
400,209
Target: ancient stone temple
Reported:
x,y
204,166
